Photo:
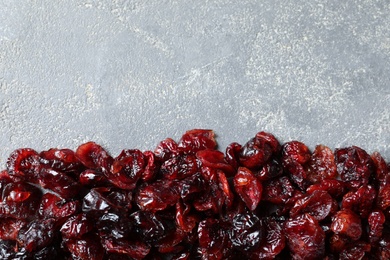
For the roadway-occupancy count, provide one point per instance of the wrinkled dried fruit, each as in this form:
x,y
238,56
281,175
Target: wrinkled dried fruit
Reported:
x,y
187,200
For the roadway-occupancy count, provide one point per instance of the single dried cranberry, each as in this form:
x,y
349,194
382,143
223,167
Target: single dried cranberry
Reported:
x,y
93,178
322,165
274,241
76,226
105,199
52,206
347,223
37,235
248,187
127,169
179,167
9,228
224,186
63,160
93,156
197,139
305,237
166,149
23,162
354,166
355,251
86,248
360,201
278,190
232,154
376,220
184,219
157,196
334,187
19,200
214,241
271,169
149,226
58,182
191,187
296,151
318,205
246,233
215,160
151,166
258,150
380,168
383,199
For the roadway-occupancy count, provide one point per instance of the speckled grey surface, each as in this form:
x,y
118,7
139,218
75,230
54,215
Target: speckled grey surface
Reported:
x,y
128,73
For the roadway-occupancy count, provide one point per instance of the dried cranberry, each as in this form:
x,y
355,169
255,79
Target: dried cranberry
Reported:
x,y
93,178
157,196
63,160
166,149
354,166
87,248
334,187
93,156
248,187
322,165
271,169
214,241
196,140
105,199
246,233
9,228
136,250
232,154
318,205
305,237
275,241
360,201
37,235
127,169
278,190
216,160
376,220
258,150
347,223
76,226
23,162
53,206
179,167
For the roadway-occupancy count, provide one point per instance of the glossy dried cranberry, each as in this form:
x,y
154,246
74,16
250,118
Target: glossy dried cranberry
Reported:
x,y
151,166
246,233
305,237
215,160
127,169
360,201
258,150
318,205
347,223
232,154
248,187
19,200
335,188
136,250
275,241
271,169
214,241
278,190
87,248
157,196
93,156
105,199
354,166
376,220
37,235
52,206
93,178
322,165
197,139
355,251
63,160
185,220
166,149
179,167
23,162
380,168
76,226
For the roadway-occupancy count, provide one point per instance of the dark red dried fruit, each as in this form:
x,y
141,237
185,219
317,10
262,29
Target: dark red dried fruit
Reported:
x,y
187,200
305,237
318,205
354,166
248,187
322,165
127,169
348,224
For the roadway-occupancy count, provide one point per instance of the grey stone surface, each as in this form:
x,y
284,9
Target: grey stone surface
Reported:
x,y
128,73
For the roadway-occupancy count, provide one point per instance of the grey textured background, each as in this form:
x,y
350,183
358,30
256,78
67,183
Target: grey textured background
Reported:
x,y
128,73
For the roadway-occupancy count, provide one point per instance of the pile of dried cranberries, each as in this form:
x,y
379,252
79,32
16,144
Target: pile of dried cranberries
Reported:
x,y
187,200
